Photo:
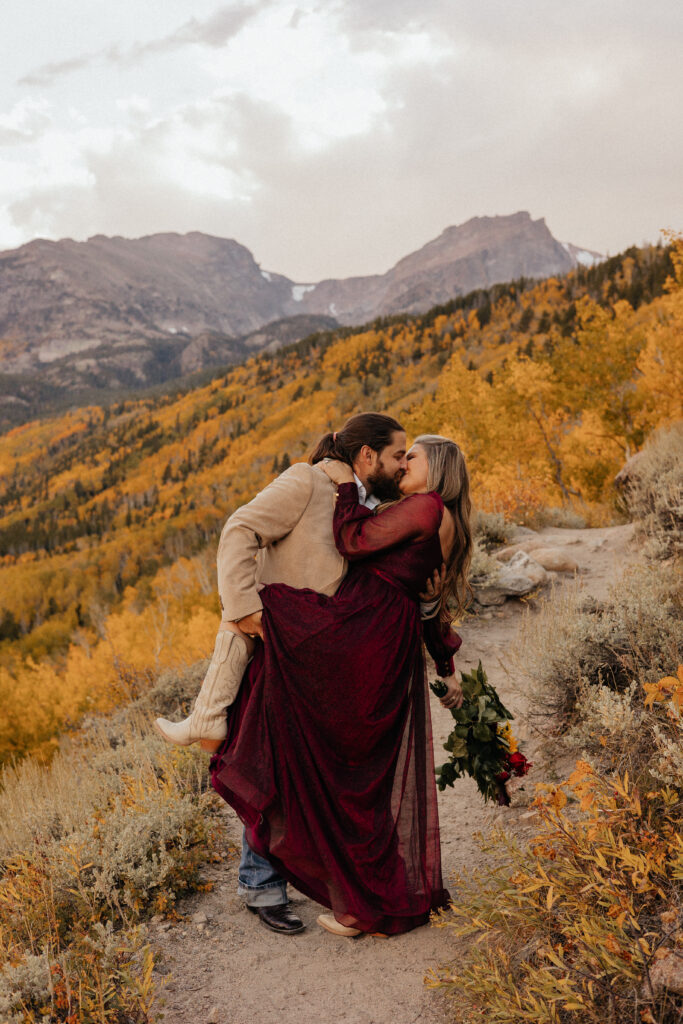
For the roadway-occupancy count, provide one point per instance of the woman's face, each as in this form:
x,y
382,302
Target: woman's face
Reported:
x,y
414,480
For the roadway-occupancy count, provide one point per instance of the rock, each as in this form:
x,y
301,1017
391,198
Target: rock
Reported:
x,y
519,577
201,917
213,1015
529,567
666,974
554,559
505,554
486,595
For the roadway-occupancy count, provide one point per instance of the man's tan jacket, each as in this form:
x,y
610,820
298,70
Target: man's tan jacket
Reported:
x,y
284,535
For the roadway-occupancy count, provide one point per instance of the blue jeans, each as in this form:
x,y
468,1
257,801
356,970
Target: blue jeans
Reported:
x,y
259,882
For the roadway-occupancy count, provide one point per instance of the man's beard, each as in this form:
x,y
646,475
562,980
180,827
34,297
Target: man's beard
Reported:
x,y
383,486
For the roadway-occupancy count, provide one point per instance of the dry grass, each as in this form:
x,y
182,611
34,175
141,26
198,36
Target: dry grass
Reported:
x,y
654,492
112,831
573,643
491,529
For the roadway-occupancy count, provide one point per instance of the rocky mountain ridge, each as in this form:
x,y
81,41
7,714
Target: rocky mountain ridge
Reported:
x,y
122,313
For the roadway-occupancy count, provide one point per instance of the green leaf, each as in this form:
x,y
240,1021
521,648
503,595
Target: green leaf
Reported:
x,y
459,748
461,714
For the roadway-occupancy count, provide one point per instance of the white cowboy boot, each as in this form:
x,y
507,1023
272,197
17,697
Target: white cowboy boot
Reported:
x,y
218,691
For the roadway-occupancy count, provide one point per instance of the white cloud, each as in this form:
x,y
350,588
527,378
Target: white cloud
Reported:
x,y
24,122
213,31
335,138
305,65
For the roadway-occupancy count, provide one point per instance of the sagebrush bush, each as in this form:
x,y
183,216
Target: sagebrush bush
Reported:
x,y
561,518
618,733
654,492
574,642
483,565
105,975
113,830
491,529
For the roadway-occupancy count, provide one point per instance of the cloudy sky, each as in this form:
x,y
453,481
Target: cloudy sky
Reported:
x,y
334,137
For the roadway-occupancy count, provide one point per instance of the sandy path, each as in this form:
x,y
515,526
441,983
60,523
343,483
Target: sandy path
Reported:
x,y
232,970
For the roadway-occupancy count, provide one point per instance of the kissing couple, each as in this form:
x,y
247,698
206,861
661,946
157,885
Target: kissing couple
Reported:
x,y
330,580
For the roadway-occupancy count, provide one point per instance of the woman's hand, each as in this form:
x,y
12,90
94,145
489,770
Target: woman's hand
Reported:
x,y
338,472
453,698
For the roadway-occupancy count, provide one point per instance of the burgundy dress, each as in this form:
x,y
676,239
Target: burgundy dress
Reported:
x,y
328,758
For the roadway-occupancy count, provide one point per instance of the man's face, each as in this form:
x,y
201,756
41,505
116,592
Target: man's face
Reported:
x,y
387,467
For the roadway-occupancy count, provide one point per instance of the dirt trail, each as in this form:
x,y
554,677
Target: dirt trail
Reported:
x,y
232,970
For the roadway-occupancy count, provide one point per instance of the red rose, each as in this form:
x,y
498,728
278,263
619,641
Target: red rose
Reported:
x,y
518,764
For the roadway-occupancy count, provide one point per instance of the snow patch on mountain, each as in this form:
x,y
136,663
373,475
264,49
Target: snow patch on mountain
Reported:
x,y
582,256
299,290
586,259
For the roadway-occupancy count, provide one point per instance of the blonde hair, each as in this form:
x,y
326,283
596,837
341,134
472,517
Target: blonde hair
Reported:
x,y
447,475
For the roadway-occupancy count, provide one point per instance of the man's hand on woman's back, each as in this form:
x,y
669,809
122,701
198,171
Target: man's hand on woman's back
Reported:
x,y
434,586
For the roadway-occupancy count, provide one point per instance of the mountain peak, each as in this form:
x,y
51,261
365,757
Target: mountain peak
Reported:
x,y
114,311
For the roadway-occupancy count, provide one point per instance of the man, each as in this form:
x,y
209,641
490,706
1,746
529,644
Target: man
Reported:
x,y
284,535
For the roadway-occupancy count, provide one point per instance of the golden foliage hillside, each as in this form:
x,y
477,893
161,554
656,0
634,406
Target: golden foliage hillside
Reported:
x,y
109,516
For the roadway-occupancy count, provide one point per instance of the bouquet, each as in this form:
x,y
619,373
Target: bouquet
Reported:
x,y
481,745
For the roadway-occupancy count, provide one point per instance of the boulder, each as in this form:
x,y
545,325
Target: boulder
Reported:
x,y
488,594
530,544
666,974
526,565
554,559
519,577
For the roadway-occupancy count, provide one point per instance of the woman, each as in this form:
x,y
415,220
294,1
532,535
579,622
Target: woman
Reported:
x,y
328,758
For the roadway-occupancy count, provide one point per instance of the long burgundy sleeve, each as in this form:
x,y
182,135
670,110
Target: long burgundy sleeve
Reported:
x,y
442,642
358,533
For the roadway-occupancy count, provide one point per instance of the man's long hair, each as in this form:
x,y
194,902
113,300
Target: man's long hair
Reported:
x,y
371,428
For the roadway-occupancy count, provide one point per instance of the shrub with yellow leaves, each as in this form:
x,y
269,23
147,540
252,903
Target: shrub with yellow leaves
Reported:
x,y
666,700
667,690
585,923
